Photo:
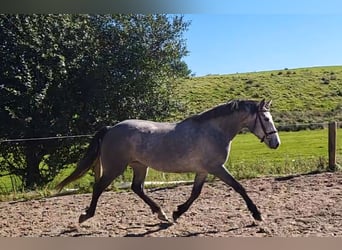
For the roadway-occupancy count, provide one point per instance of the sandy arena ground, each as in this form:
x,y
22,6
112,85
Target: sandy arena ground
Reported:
x,y
304,205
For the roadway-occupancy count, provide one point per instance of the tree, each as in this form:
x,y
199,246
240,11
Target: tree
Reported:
x,y
71,74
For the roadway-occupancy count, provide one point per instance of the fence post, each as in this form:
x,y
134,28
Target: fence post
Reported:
x,y
332,146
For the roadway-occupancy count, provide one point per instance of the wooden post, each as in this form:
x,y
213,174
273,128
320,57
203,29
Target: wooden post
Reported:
x,y
332,146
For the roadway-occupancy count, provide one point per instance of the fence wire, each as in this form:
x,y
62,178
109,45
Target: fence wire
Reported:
x,y
45,138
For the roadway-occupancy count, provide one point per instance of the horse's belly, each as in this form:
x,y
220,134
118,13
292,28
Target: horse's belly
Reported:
x,y
179,164
173,168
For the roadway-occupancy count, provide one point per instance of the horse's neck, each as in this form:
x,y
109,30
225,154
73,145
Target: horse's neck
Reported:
x,y
231,125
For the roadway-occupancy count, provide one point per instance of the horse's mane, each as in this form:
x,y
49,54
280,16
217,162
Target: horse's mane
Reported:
x,y
226,109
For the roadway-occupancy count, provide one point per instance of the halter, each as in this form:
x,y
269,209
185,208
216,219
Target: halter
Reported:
x,y
266,134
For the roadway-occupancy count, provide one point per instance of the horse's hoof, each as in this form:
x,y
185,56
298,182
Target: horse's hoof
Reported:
x,y
257,216
83,218
162,216
175,216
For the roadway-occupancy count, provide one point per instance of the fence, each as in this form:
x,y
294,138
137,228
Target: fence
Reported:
x,y
332,138
301,151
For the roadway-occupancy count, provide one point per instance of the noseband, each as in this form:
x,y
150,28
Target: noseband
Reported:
x,y
266,134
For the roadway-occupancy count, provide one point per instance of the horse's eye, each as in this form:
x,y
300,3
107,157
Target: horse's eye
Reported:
x,y
267,119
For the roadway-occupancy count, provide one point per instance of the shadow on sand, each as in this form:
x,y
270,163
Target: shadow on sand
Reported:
x,y
161,226
289,177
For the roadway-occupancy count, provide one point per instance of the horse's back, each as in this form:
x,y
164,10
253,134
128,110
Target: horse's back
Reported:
x,y
145,126
131,136
163,146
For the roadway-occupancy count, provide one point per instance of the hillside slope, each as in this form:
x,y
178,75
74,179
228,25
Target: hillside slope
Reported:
x,y
304,95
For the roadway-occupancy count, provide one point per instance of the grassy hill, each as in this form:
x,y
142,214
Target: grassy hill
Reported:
x,y
304,95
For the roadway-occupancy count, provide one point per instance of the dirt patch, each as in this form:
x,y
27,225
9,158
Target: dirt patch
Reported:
x,y
298,206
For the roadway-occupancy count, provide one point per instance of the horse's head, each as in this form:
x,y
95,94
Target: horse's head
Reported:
x,y
263,126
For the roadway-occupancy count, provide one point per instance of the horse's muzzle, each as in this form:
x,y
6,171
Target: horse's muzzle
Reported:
x,y
273,141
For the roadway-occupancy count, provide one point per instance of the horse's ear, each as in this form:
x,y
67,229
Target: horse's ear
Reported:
x,y
268,104
262,105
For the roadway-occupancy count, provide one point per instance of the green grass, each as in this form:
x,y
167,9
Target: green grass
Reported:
x,y
300,152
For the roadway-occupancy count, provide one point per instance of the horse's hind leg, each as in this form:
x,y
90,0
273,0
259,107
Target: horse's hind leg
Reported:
x,y
224,175
100,185
139,174
97,167
196,190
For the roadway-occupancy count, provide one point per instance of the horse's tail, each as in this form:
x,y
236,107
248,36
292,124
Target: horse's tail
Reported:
x,y
93,152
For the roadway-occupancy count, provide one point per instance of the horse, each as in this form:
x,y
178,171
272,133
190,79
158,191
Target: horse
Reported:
x,y
199,144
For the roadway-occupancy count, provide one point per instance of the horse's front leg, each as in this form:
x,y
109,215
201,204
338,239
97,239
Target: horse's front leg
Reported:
x,y
225,176
196,190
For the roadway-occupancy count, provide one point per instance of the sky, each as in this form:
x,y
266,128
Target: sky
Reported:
x,y
252,40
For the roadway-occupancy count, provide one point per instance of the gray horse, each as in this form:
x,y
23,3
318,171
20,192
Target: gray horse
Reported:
x,y
199,144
